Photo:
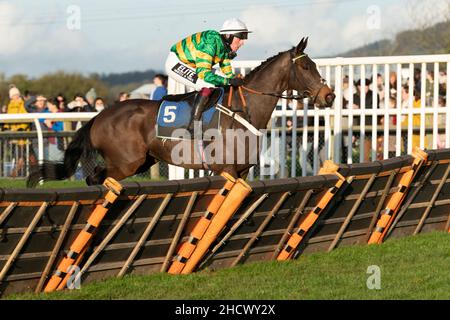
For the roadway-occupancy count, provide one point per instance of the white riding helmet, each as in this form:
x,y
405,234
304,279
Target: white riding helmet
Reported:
x,y
235,27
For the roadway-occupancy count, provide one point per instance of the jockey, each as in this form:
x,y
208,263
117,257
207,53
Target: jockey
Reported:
x,y
191,61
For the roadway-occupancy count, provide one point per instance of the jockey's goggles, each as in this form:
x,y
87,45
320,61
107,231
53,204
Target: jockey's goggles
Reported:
x,y
241,35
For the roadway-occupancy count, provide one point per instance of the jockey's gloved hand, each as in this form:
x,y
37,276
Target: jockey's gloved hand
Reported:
x,y
236,82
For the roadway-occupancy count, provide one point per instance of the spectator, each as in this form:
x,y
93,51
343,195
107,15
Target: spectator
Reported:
x,y
405,97
27,95
416,118
55,144
380,86
442,83
441,102
99,104
442,123
91,95
392,105
16,105
36,104
62,103
78,104
124,96
368,95
417,79
345,91
392,138
52,107
380,90
392,83
160,82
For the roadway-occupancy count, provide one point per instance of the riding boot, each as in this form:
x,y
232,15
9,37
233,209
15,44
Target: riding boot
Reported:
x,y
199,106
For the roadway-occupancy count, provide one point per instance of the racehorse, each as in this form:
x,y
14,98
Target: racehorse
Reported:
x,y
125,134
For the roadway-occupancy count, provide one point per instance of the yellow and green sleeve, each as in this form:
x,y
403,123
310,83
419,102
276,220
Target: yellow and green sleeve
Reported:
x,y
204,63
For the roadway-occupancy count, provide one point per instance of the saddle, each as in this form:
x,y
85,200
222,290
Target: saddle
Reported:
x,y
176,111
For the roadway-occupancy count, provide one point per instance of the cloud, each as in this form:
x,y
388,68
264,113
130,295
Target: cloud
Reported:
x,y
12,38
33,42
331,29
25,41
37,40
277,28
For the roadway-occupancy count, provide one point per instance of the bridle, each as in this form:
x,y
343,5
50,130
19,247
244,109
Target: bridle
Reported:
x,y
292,74
305,93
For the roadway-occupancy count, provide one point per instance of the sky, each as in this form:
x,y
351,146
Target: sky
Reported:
x,y
105,36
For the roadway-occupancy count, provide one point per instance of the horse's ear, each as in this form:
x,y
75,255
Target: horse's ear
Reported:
x,y
302,45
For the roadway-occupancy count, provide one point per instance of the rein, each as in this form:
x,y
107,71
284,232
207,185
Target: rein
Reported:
x,y
278,95
304,94
230,96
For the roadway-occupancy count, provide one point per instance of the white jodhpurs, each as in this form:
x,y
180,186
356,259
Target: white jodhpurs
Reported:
x,y
185,74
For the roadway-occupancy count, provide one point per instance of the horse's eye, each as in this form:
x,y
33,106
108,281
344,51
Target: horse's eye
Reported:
x,y
305,66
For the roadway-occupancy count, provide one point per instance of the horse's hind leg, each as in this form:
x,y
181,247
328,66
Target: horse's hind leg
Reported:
x,y
149,161
97,177
119,170
101,174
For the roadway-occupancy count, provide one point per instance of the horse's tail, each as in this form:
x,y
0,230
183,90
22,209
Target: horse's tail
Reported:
x,y
81,145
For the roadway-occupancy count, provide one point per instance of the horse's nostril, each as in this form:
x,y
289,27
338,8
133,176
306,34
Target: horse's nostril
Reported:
x,y
329,98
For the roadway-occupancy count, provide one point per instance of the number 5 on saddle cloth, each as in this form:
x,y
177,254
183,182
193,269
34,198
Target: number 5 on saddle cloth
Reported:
x,y
176,111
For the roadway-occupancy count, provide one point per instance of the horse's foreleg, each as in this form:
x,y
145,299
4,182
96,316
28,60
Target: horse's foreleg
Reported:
x,y
231,170
244,173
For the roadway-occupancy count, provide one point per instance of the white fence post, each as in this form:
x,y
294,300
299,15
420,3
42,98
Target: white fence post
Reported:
x,y
294,139
304,148
374,108
40,139
447,108
338,115
351,88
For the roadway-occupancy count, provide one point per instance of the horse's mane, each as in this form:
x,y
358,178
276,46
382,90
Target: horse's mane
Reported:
x,y
265,64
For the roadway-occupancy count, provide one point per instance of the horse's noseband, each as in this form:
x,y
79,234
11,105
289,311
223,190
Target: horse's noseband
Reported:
x,y
305,93
302,93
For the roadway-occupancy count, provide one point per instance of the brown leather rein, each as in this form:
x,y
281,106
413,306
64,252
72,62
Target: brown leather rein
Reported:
x,y
272,94
305,94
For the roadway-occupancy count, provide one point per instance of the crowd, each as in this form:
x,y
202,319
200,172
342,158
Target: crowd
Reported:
x,y
30,102
355,95
380,86
404,96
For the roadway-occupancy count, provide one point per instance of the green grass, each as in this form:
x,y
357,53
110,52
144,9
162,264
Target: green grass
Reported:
x,y
21,183
416,267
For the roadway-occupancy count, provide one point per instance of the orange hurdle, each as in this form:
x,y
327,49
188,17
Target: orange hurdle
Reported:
x,y
188,247
296,238
229,206
79,245
388,214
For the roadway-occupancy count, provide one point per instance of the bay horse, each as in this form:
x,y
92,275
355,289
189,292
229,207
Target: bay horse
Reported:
x,y
125,134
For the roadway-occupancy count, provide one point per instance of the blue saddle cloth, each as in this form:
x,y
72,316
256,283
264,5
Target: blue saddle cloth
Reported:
x,y
175,115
